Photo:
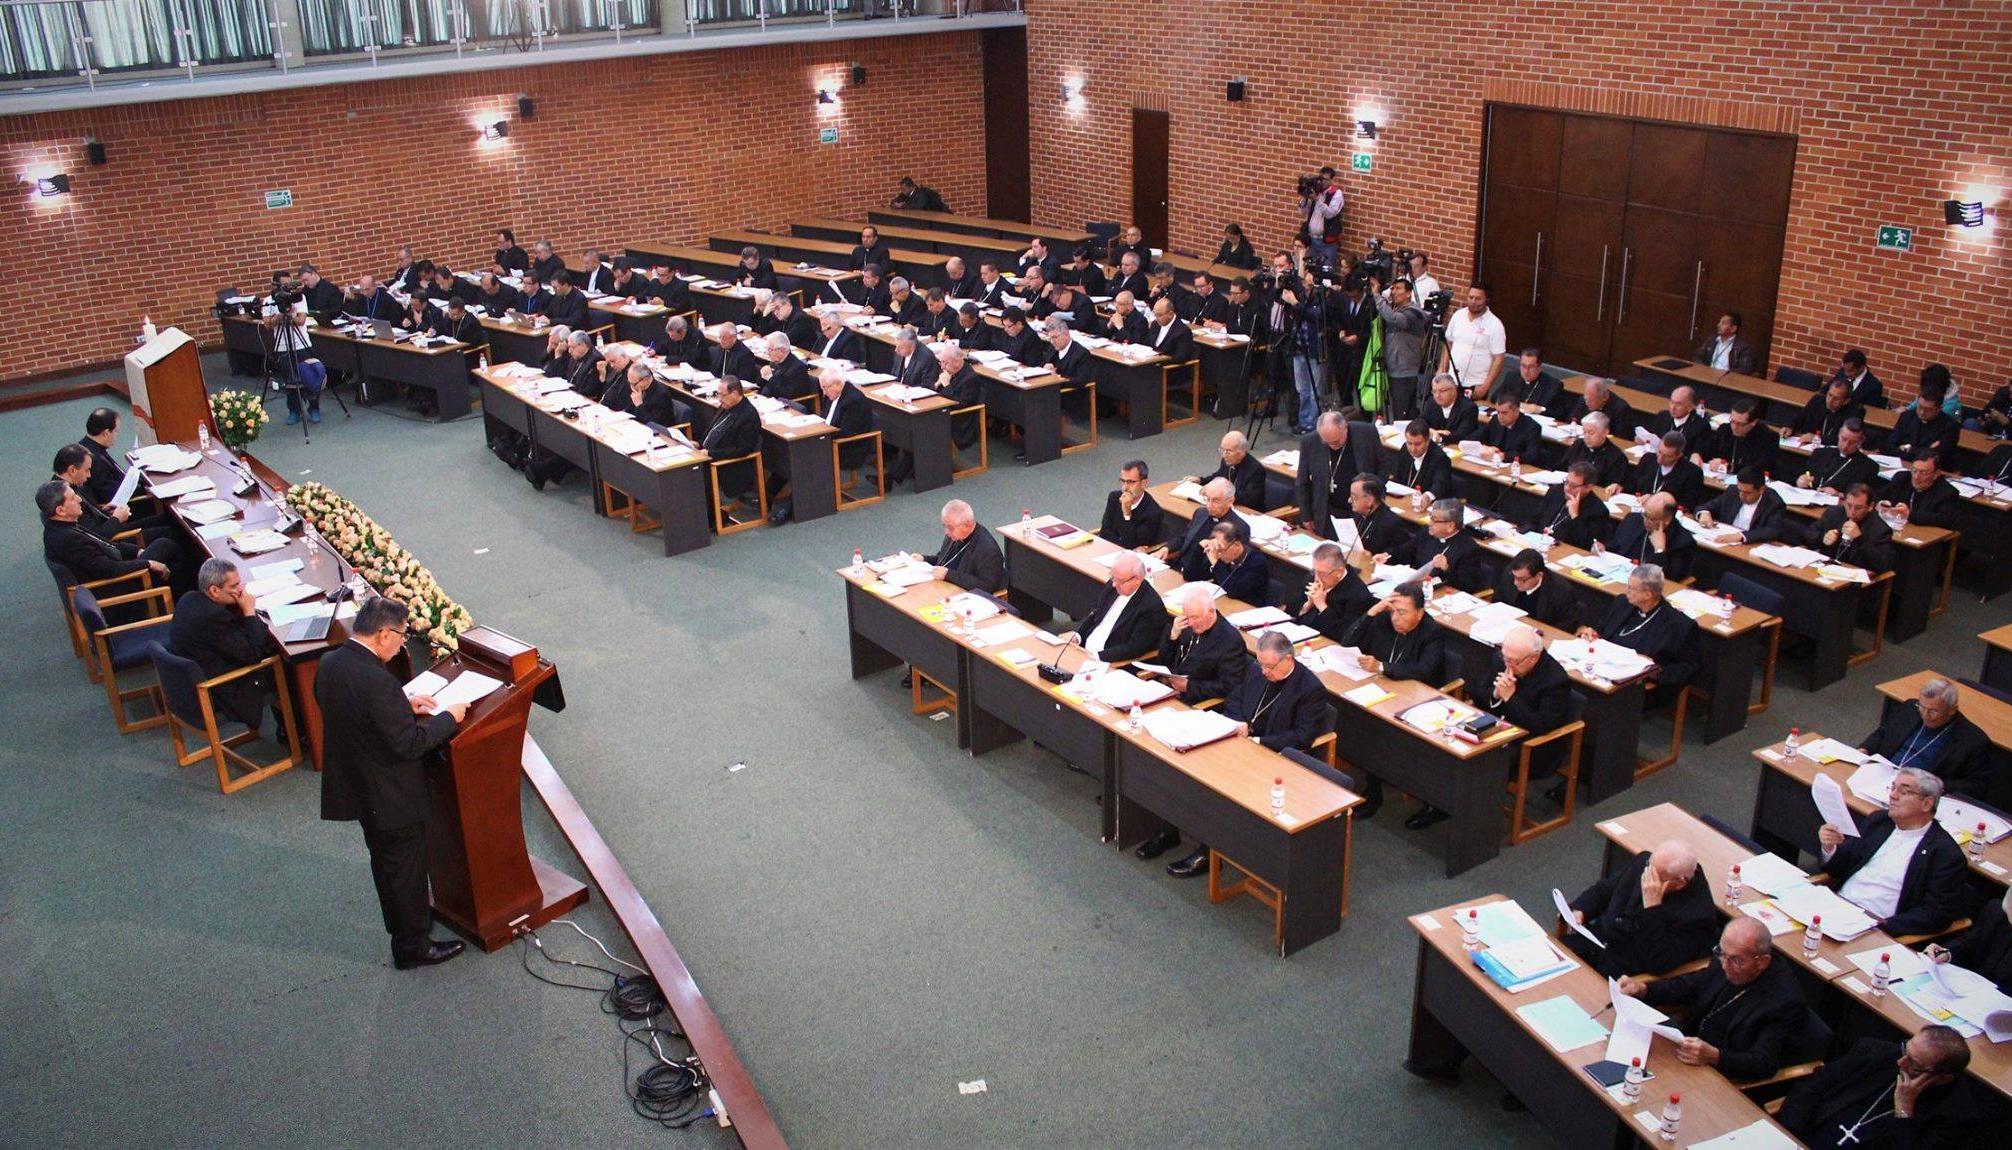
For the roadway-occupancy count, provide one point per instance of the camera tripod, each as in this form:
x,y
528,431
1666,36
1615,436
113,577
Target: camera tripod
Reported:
x,y
289,381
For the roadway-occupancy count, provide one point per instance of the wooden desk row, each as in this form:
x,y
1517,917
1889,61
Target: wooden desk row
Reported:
x,y
1219,793
442,369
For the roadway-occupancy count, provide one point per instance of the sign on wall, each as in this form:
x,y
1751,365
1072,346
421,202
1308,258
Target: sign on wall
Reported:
x,y
282,198
1359,162
827,135
1894,238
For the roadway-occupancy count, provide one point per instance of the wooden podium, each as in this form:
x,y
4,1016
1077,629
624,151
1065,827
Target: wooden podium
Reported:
x,y
164,381
485,882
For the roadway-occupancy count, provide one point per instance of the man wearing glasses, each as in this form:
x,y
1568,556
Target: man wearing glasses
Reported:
x,y
1902,868
373,741
1935,736
1885,1093
1746,1013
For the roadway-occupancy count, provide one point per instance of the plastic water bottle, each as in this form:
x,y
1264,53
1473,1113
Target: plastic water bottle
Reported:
x,y
1137,720
1812,935
147,328
1026,518
1790,746
1470,930
482,359
313,547
600,339
1516,469
1277,798
1977,843
858,562
1735,889
1725,607
964,613
1418,500
1882,974
1631,1084
1673,1113
203,437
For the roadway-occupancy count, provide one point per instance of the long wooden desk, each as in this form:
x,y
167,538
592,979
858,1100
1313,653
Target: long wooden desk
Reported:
x,y
1457,1011
442,369
716,305
1464,779
973,248
826,260
1060,240
1219,793
1997,669
523,340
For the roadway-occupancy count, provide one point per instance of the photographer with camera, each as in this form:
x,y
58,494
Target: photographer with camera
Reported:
x,y
1404,331
1320,203
1299,352
291,362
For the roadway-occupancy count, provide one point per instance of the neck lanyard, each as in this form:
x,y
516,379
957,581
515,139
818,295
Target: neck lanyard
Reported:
x,y
1840,468
1721,1006
954,554
1396,648
1627,631
1908,752
1266,698
1848,1134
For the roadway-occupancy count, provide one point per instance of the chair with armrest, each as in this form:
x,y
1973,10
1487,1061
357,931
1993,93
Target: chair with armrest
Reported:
x,y
975,412
1574,728
190,707
1767,601
718,477
1088,389
80,644
123,647
1644,767
849,454
1797,377
1808,1051
636,511
1177,377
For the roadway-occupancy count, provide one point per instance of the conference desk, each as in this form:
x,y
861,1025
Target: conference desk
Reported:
x,y
973,249
1832,974
638,321
1997,669
1219,793
670,482
1226,364
719,305
1457,1010
442,368
1061,241
525,339
1464,779
829,259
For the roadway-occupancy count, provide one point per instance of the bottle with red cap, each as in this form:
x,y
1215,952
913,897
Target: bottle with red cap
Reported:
x,y
1673,1113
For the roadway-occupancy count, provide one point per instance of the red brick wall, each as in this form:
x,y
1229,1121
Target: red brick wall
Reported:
x,y
1897,106
655,148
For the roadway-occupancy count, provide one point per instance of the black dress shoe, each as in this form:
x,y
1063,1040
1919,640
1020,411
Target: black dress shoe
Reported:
x,y
1192,865
1425,818
436,952
1369,807
1159,844
908,678
1556,793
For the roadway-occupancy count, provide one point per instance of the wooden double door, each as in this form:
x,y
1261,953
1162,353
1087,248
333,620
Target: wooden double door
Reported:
x,y
1605,240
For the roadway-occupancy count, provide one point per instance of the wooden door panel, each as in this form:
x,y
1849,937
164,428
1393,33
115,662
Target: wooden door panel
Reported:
x,y
1593,158
1578,322
1515,217
1665,166
1523,147
1654,324
1584,233
1662,250
1508,285
1747,177
1742,263
1149,174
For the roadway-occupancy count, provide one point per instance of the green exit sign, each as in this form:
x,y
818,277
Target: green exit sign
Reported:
x,y
1893,238
282,198
1359,162
827,135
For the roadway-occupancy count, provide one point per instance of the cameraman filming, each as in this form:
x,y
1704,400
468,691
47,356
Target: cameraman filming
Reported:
x,y
1295,314
291,362
1320,203
1404,328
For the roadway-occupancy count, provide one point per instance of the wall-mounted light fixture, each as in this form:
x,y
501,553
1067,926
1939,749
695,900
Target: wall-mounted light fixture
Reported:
x,y
56,185
1958,213
1235,89
826,96
1072,91
1365,129
496,131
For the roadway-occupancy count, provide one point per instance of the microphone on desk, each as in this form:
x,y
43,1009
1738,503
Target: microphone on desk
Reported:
x,y
1053,672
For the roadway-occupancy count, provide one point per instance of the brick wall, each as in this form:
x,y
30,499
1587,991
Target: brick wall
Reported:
x,y
653,148
1897,106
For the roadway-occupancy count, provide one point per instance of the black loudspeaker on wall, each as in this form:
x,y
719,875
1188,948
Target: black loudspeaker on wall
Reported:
x,y
1234,90
527,107
94,151
859,75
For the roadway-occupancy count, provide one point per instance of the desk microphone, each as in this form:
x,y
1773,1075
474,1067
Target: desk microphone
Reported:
x,y
1053,672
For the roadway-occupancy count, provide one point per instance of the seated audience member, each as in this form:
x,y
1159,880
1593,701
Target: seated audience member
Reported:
x,y
456,323
1451,415
637,392
1132,239
1337,452
545,263
667,288
1654,913
1377,528
1064,356
1167,335
968,556
91,557
870,249
1130,278
1644,622
1866,390
735,431
1015,339
1205,659
1745,1011
1743,442
1188,554
837,341
847,409
1750,506
681,343
1599,397
1128,617
1886,1094
1526,584
1235,566
874,294
1125,324
1245,473
510,256
1826,413
322,299
1336,596
1511,436
626,282
1901,868
1398,640
1683,418
972,333
795,324
1594,446
1525,686
1995,417
1204,305
917,198
1924,430
1833,469
368,299
101,433
558,359
990,288
594,275
1539,388
1420,464
1986,948
903,305
1851,533
217,626
1444,550
445,285
1921,496
732,356
958,383
75,466
754,270
782,375
497,298
405,277
1726,351
1933,735
568,304
1236,251
419,315
1132,518
1571,512
1082,272
1653,535
939,319
1668,471
584,364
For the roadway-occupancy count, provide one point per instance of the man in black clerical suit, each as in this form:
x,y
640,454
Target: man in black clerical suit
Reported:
x,y
1167,335
846,408
733,356
1654,913
1919,495
956,282
968,557
1016,339
1644,622
1336,596
1525,686
914,365
497,297
1125,324
837,341
89,556
1743,442
373,741
546,264
795,324
1528,585
1902,868
101,431
904,306
594,275
1924,430
1130,277
1444,550
369,300
1745,1011
960,384
1069,359
1866,389
874,293
870,249
1599,396
1827,412
456,323
567,305
1886,1095
217,626
1852,533
627,282
1571,512
1235,566
1205,659
782,375
1653,535
1749,505
1377,527
1683,418
509,255
583,370
1330,459
1986,947
1187,553
76,466
1204,305
1595,446
323,300
1540,389
682,343
1132,518
1512,435
1037,256
1245,473
1667,470
1398,640
666,288
972,333
938,319
1450,415
637,392
989,289
420,315
755,270
1930,733
735,432
1835,469
1127,620
1420,464
1083,272
917,198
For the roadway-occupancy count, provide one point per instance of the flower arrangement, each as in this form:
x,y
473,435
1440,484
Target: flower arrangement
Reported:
x,y
386,566
239,416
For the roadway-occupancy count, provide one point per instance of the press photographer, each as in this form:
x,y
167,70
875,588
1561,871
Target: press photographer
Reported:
x,y
1296,312
1320,203
1405,327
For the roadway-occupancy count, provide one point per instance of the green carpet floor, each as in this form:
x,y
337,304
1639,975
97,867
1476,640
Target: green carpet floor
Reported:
x,y
874,915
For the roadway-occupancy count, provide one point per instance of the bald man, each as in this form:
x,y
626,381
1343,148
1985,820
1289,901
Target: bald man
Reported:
x,y
1126,323
1128,617
1653,535
1245,473
1654,913
1746,1012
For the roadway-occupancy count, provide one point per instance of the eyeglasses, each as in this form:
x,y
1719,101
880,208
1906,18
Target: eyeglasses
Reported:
x,y
1721,954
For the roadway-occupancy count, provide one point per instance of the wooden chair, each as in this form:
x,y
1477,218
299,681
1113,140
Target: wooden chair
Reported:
x,y
123,647
723,522
190,707
1089,389
846,500
1521,831
1645,767
1809,1050
976,411
1193,369
66,579
1766,600
635,510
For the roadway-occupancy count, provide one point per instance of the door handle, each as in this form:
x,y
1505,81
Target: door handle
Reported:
x,y
1621,300
1600,300
1536,268
1697,281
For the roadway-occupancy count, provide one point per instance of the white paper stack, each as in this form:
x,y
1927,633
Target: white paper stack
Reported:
x,y
209,510
1799,496
1841,920
1257,617
186,485
164,458
1184,730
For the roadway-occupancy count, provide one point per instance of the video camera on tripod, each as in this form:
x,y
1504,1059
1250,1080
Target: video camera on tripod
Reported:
x,y
1386,266
1436,306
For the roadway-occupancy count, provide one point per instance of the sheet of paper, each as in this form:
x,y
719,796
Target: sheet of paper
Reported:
x,y
127,486
1771,874
1831,805
1501,923
1565,913
1344,532
1904,963
291,593
467,687
1561,1023
1367,695
424,683
1761,1135
1629,1041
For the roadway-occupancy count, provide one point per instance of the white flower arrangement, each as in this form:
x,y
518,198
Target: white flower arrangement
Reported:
x,y
386,566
